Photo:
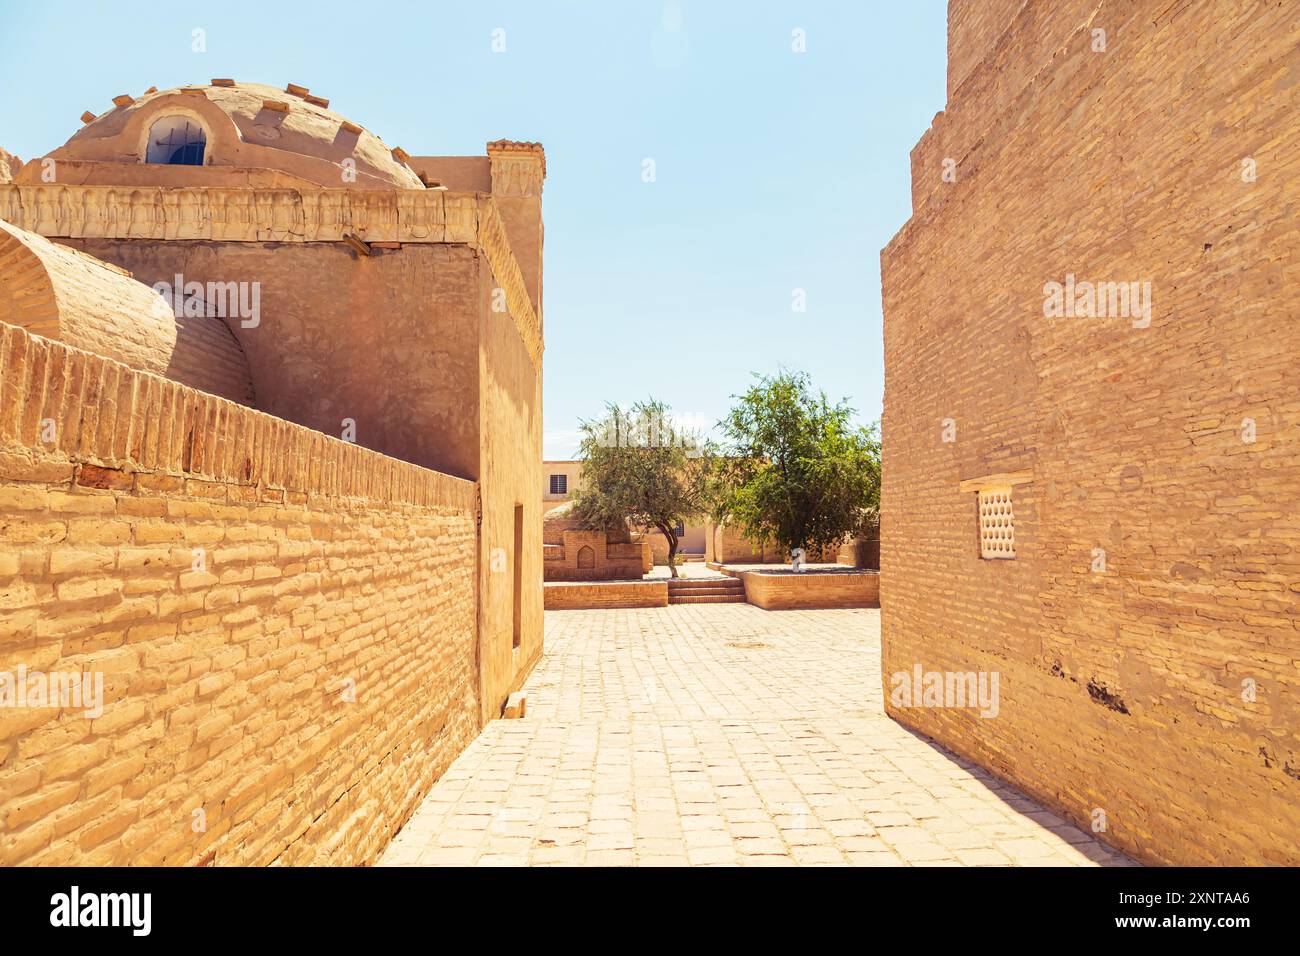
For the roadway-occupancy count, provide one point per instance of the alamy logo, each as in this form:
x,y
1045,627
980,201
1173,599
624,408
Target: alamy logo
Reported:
x,y
103,909
225,300
921,688
64,690
1098,300
646,431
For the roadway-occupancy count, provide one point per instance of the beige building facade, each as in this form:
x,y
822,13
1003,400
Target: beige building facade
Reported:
x,y
266,385
562,479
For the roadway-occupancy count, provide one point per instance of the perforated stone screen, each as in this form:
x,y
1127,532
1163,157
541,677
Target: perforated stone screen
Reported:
x,y
997,527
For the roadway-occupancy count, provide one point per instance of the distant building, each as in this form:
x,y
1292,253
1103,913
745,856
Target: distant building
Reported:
x,y
562,479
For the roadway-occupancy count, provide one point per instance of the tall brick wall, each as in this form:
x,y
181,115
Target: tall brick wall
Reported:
x,y
1124,690
285,624
974,26
995,49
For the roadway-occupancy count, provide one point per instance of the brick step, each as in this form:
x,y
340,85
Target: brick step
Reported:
x,y
731,597
692,584
707,592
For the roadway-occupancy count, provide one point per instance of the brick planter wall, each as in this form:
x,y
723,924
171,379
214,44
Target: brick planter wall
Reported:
x,y
561,595
779,591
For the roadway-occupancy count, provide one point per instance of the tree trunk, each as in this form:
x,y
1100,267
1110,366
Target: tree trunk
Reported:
x,y
671,537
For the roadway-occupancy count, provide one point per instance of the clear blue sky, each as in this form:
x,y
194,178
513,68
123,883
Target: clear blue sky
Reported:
x,y
775,170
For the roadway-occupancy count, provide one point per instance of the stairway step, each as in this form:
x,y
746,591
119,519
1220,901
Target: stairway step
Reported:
x,y
707,599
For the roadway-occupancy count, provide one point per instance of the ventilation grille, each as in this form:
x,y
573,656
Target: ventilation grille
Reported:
x,y
997,527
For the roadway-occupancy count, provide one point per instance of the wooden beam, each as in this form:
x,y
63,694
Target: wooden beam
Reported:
x,y
361,247
999,480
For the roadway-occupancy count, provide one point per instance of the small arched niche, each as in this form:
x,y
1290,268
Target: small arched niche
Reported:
x,y
176,141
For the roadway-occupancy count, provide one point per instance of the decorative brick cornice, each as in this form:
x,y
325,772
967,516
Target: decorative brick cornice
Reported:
x,y
519,150
240,213
244,214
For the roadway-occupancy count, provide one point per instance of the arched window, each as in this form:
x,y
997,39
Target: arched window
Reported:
x,y
176,141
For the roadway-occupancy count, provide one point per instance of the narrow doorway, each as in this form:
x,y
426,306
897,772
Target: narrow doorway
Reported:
x,y
517,564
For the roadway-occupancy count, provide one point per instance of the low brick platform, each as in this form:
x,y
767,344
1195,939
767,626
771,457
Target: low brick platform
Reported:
x,y
780,589
586,595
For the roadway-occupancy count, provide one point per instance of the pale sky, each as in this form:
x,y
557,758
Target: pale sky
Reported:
x,y
774,170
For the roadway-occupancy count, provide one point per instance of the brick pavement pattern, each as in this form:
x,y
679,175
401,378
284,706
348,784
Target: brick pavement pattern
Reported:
x,y
721,734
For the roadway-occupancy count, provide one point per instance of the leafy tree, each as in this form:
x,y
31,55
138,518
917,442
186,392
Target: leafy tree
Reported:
x,y
638,468
798,471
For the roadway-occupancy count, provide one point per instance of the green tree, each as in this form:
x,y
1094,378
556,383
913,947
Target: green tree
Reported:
x,y
638,468
797,470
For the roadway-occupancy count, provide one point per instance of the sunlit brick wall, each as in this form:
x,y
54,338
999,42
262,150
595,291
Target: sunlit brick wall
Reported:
x,y
974,26
284,624
1147,631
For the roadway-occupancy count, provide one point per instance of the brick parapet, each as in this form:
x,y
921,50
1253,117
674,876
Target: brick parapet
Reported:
x,y
109,423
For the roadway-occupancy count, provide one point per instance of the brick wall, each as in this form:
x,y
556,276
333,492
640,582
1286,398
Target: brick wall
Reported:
x,y
401,322
999,48
780,591
563,595
510,456
725,543
1123,690
974,26
285,624
602,559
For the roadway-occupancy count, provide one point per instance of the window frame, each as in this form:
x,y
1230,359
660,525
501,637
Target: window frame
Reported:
x,y
170,112
986,488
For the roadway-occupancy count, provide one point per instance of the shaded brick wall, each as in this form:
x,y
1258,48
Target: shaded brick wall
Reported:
x,y
235,579
1125,690
510,456
394,335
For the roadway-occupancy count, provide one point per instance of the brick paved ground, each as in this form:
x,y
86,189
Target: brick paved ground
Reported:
x,y
721,734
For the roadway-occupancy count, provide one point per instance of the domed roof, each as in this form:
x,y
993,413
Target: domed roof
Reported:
x,y
246,127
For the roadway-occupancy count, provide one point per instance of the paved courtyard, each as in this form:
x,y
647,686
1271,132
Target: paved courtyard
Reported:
x,y
721,734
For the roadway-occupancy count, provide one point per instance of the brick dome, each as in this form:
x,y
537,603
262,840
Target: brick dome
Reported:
x,y
243,134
